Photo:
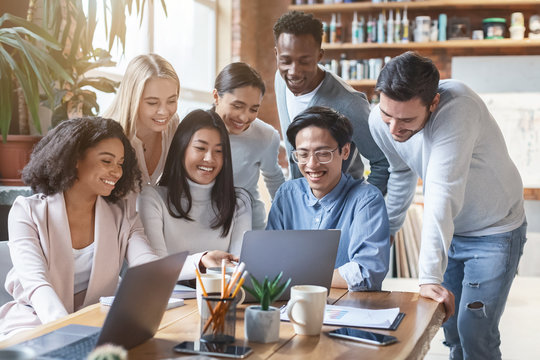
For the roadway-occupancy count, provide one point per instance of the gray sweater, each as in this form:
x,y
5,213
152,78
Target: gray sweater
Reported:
x,y
471,186
338,95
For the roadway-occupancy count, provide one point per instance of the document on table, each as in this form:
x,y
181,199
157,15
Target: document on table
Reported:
x,y
183,292
351,316
173,302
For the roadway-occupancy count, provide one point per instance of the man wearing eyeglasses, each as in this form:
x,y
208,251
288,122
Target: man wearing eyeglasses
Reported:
x,y
327,198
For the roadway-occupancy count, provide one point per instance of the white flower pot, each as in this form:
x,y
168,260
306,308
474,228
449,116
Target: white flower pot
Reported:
x,y
261,326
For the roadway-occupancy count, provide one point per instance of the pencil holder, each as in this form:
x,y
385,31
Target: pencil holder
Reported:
x,y
218,319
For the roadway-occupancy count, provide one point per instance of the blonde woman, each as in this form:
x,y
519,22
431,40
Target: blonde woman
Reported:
x,y
146,106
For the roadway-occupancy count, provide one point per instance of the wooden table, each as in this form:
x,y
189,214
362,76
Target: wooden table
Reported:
x,y
422,320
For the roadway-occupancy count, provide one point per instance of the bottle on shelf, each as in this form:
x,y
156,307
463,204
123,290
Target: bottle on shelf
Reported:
x,y
361,34
390,28
339,29
380,28
333,23
442,27
370,30
397,27
405,27
355,29
326,32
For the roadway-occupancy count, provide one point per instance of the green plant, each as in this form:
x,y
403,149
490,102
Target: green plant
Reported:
x,y
267,292
25,63
54,58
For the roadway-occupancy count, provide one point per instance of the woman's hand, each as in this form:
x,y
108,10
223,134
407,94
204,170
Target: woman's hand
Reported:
x,y
213,258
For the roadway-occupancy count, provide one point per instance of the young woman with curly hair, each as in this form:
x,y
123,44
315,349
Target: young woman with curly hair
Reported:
x,y
68,241
195,206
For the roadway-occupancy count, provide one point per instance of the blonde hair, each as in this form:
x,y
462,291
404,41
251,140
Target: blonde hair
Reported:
x,y
125,106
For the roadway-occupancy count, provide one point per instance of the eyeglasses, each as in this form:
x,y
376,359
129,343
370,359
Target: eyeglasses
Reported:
x,y
322,156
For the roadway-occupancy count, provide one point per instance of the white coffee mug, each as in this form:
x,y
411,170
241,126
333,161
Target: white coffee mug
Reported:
x,y
306,308
217,270
212,285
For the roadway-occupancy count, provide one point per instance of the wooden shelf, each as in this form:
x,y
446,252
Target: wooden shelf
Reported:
x,y
368,6
531,193
450,44
362,83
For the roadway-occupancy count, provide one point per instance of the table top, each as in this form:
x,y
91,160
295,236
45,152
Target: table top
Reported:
x,y
423,317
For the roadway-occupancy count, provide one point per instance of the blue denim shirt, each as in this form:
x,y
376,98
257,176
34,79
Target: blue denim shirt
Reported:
x,y
353,206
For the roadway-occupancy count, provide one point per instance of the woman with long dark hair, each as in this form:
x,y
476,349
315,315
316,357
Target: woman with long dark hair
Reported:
x,y
195,206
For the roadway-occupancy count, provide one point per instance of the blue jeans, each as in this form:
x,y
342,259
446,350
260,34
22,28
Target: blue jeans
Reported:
x,y
480,272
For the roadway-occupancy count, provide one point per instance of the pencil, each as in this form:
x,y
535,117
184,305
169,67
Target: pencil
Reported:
x,y
223,285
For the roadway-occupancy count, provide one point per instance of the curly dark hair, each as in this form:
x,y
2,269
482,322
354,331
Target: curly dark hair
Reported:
x,y
53,163
298,23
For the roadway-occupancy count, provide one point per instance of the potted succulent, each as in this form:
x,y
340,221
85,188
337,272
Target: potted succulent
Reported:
x,y
261,322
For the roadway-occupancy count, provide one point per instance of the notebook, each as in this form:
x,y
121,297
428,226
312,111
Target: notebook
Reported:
x,y
306,256
133,318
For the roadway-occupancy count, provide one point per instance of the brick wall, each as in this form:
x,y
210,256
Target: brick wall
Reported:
x,y
253,43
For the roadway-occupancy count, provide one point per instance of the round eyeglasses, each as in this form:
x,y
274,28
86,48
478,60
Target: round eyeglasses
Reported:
x,y
322,156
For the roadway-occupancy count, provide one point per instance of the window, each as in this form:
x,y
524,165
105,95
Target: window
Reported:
x,y
186,38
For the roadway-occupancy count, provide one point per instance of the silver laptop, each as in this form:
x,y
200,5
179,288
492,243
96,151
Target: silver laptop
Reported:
x,y
306,256
133,318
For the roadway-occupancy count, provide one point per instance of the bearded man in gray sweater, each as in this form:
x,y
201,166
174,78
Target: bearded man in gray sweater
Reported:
x,y
474,224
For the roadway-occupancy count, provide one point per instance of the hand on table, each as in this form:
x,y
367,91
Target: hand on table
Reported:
x,y
213,258
442,295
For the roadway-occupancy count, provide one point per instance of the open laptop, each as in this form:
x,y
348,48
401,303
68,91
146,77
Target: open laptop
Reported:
x,y
306,256
134,317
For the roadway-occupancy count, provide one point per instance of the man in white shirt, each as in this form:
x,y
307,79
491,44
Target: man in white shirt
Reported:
x,y
301,83
474,221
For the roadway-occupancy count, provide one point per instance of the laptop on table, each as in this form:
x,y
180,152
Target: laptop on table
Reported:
x,y
134,317
306,256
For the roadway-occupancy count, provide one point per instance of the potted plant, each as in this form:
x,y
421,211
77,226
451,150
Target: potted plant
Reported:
x,y
261,322
26,67
50,61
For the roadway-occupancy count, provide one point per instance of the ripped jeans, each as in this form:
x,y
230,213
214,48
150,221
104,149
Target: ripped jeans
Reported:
x,y
480,272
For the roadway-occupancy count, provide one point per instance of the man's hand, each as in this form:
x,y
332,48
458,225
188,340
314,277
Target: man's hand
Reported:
x,y
213,258
440,294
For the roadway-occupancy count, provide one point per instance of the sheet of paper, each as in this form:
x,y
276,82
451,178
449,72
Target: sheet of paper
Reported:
x,y
173,302
183,292
350,316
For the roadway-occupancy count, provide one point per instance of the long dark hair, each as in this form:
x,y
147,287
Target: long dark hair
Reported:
x,y
53,164
175,175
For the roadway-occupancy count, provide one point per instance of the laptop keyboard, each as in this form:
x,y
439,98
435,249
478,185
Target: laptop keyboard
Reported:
x,y
74,351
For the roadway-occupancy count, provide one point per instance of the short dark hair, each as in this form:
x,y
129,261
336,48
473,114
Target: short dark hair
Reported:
x,y
53,163
237,75
323,117
407,76
298,23
174,175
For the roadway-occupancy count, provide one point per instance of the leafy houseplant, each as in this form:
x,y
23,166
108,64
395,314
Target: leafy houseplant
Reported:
x,y
261,323
50,60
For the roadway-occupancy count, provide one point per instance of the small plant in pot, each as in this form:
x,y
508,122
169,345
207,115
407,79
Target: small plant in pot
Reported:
x,y
261,322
